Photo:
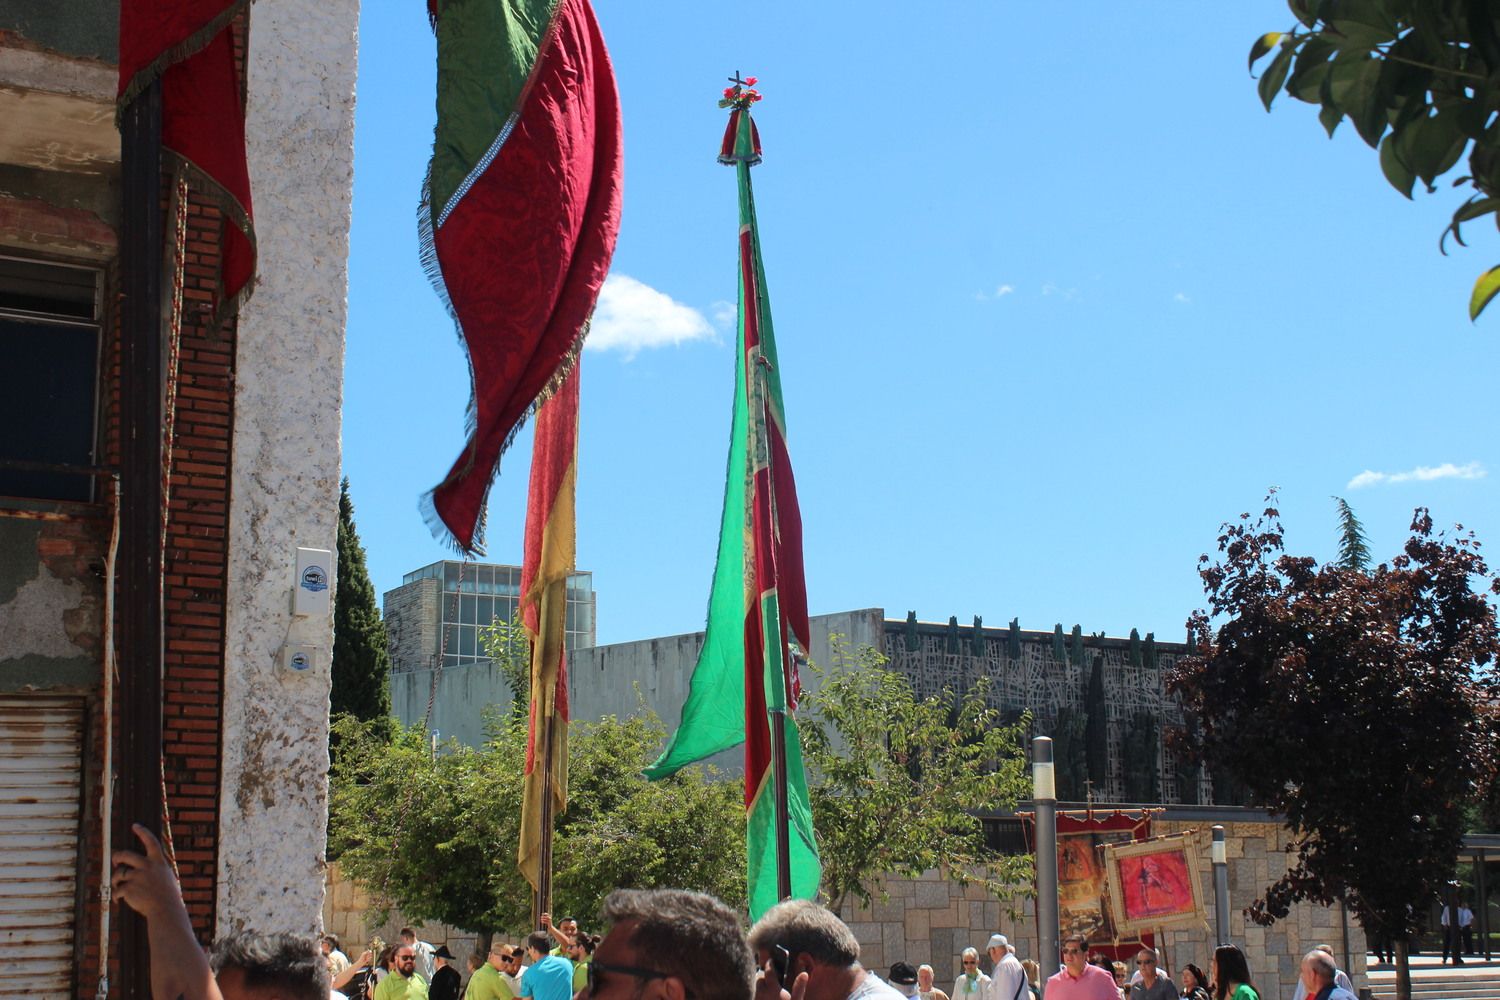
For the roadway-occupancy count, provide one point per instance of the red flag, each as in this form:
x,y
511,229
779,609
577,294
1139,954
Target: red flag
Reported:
x,y
189,45
551,545
519,217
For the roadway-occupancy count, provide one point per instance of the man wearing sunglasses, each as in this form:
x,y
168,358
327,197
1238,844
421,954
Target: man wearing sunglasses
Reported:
x,y
1079,980
1152,985
670,944
488,981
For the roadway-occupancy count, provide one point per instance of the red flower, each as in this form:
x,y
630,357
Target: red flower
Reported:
x,y
750,81
728,91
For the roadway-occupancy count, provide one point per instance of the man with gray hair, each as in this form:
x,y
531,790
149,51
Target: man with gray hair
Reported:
x,y
1317,980
1007,978
243,967
1152,985
821,956
670,944
1339,978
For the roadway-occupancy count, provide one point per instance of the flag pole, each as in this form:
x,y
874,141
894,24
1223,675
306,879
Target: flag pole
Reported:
x,y
773,634
783,814
542,903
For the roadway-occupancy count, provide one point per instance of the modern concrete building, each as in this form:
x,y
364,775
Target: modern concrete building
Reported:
x,y
187,594
433,620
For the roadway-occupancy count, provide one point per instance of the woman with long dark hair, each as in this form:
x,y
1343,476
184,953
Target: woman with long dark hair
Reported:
x,y
1231,975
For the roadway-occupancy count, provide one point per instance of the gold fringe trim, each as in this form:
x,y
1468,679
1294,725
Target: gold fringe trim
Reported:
x,y
173,54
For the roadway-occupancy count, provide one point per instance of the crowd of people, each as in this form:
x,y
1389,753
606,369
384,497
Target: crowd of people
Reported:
x,y
1095,977
660,944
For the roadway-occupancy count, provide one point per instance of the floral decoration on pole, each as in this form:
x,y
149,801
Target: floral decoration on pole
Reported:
x,y
741,95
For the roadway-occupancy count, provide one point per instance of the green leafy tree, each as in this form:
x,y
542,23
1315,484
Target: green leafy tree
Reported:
x,y
895,779
509,648
436,834
1359,705
361,669
1418,79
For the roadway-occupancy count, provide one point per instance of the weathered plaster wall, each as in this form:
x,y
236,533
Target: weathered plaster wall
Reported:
x,y
300,131
89,29
50,604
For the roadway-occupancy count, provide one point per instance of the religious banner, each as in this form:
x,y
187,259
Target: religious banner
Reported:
x,y
1155,884
1082,885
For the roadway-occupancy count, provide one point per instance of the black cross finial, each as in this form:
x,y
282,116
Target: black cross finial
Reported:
x,y
738,83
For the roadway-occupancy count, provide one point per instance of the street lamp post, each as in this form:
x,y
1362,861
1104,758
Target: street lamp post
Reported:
x,y
1044,797
1221,888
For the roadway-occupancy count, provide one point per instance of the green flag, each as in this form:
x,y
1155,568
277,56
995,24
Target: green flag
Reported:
x,y
757,612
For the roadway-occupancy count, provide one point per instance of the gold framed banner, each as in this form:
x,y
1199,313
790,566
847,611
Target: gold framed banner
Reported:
x,y
1155,884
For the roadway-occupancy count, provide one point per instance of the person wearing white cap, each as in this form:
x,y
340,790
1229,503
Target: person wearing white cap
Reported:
x,y
1007,978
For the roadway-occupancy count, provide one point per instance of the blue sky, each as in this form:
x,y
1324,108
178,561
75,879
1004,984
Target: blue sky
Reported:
x,y
1054,297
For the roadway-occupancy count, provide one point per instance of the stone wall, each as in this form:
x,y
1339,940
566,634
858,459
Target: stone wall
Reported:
x,y
931,920
349,913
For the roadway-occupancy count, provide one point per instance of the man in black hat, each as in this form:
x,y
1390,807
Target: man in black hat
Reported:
x,y
904,978
445,977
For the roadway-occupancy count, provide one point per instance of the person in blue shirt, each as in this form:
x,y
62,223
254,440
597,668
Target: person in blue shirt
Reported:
x,y
550,977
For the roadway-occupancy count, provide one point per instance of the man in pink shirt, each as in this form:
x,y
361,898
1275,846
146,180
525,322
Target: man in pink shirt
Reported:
x,y
1079,980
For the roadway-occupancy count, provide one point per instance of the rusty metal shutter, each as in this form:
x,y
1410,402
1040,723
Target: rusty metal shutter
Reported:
x,y
41,766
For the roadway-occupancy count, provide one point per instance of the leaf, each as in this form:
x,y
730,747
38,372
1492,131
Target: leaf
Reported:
x,y
1275,76
1356,36
1330,116
1467,212
1485,289
1265,43
1398,173
1431,146
1353,86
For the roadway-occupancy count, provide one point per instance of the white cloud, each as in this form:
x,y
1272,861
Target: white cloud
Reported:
x,y
1181,297
1051,289
631,316
1421,474
999,293
725,313
1003,291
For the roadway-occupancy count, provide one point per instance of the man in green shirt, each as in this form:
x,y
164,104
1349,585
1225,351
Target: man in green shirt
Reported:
x,y
487,983
403,982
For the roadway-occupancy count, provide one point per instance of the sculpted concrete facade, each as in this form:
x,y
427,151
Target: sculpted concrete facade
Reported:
x,y
300,136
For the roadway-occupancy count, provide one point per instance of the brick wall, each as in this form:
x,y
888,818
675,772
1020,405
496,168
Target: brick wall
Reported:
x,y
193,582
194,569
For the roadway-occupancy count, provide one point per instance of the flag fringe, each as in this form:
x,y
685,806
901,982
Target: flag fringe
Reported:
x,y
173,54
203,182
427,256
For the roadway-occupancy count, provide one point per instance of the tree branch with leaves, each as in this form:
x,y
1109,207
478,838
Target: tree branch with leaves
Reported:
x,y
1418,79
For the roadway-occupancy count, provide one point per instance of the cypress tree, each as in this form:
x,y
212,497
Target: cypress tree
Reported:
x,y
361,661
910,633
1013,639
1096,733
1135,647
1076,647
1058,652
977,640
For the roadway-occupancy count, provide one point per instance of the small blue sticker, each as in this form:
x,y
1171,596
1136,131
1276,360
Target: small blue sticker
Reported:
x,y
301,661
314,578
